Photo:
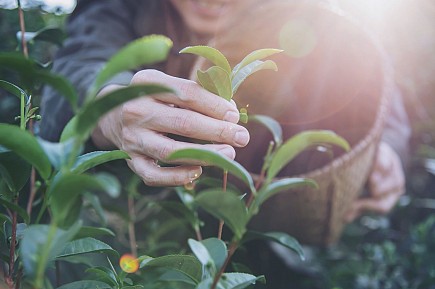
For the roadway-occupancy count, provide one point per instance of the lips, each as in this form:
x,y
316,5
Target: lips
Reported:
x,y
207,8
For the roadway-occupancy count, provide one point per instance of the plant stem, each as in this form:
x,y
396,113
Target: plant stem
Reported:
x,y
131,231
231,250
10,281
23,30
224,189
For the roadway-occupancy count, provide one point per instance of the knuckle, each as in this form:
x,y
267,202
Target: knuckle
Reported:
x,y
182,125
187,91
165,150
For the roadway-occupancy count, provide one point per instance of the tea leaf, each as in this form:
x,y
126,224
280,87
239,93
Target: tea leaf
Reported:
x,y
85,284
217,81
215,159
226,206
254,56
85,246
102,274
144,51
57,153
14,171
217,250
93,232
202,254
48,34
25,145
69,129
232,281
210,53
12,88
250,69
277,237
93,159
296,144
15,208
87,119
281,185
181,211
272,125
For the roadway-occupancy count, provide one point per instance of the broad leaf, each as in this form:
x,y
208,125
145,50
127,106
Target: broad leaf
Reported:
x,y
103,274
85,284
85,246
69,131
227,207
186,264
217,81
210,53
232,281
87,119
15,208
14,171
25,145
202,254
144,51
12,88
296,144
217,250
57,153
277,237
280,186
93,159
176,276
250,69
93,232
272,125
215,159
254,56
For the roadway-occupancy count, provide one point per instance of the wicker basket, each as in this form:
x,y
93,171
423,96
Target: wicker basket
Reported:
x,y
342,83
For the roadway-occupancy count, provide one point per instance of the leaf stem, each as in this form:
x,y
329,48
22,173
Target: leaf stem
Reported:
x,y
224,189
231,250
23,30
13,246
131,230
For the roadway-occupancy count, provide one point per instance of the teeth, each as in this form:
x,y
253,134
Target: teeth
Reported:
x,y
210,5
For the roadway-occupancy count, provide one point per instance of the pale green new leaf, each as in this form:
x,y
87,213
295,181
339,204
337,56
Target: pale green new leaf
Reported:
x,y
250,69
217,81
25,145
210,53
254,56
227,207
215,159
144,51
296,144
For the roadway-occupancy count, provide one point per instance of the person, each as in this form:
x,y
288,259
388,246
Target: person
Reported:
x,y
142,127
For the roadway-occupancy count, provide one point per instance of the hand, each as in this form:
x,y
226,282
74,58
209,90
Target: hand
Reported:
x,y
386,184
140,127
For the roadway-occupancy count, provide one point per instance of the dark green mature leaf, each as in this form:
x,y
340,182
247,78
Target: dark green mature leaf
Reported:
x,y
180,210
186,264
94,201
12,88
255,56
215,159
282,185
69,131
48,34
217,250
278,237
227,207
93,232
103,274
85,246
296,144
14,171
144,51
87,119
15,208
210,53
176,276
250,69
41,243
217,81
86,284
202,254
272,125
25,145
93,159
232,281
57,153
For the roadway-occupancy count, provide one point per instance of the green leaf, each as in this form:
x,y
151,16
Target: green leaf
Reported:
x,y
144,51
202,254
210,53
94,201
57,153
15,90
15,208
69,131
61,84
40,245
217,81
87,119
255,56
25,145
186,264
111,184
103,274
232,281
176,276
93,159
271,124
227,207
14,171
215,159
250,69
277,237
181,211
85,232
296,144
217,250
282,185
85,246
86,284
48,34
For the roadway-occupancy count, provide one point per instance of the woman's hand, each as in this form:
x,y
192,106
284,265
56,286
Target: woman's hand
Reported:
x,y
386,184
140,127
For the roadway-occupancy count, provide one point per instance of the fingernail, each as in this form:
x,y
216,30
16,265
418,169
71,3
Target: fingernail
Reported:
x,y
232,116
241,138
193,175
228,152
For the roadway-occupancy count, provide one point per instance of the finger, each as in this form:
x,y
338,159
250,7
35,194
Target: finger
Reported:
x,y
154,175
380,206
189,94
195,125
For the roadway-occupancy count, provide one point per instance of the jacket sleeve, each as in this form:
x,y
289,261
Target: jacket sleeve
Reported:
x,y
96,30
